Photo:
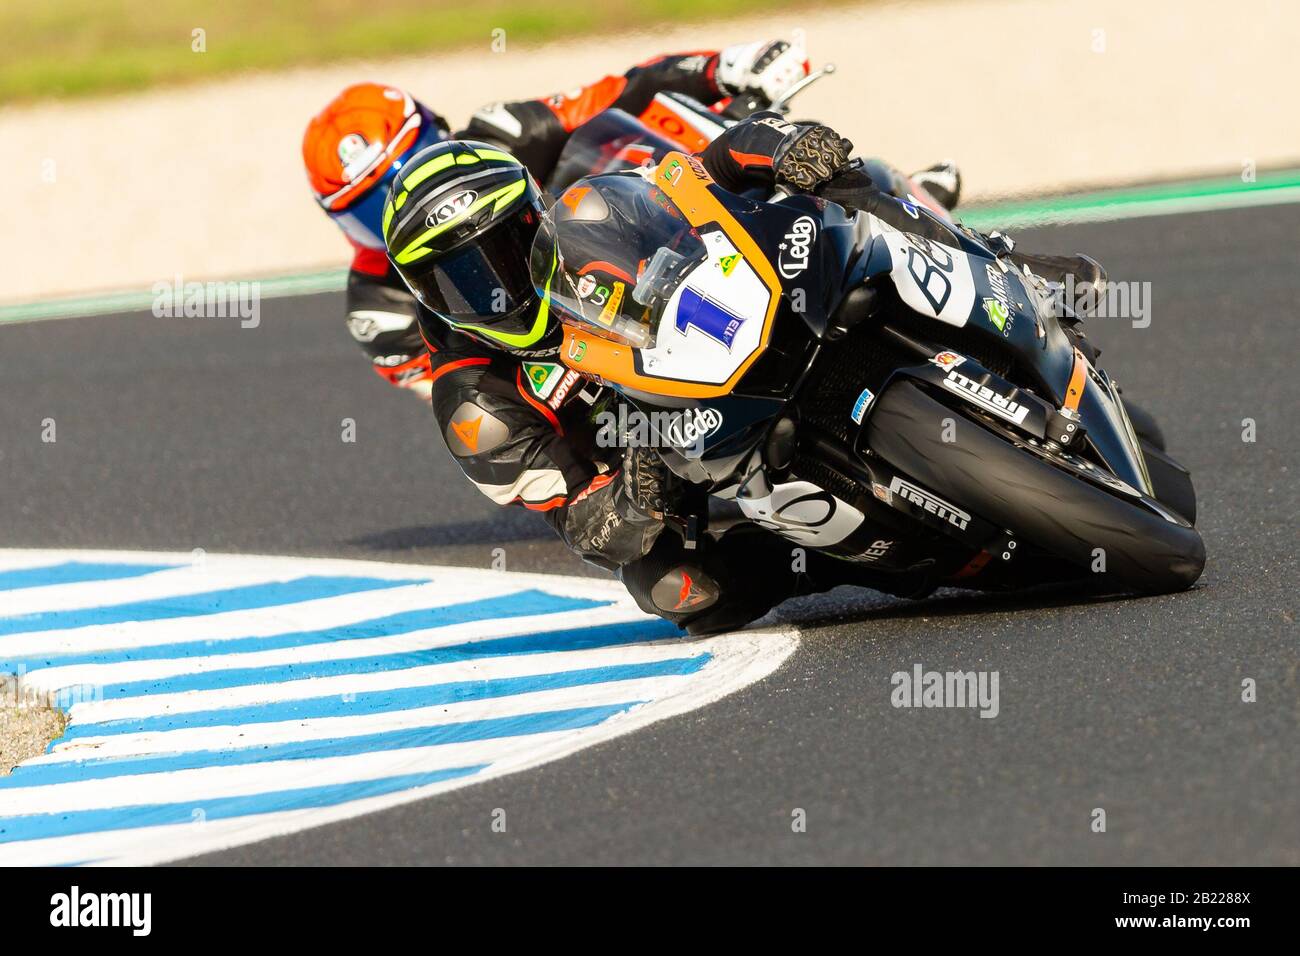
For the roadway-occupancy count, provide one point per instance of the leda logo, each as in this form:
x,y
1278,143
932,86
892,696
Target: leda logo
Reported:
x,y
797,247
692,426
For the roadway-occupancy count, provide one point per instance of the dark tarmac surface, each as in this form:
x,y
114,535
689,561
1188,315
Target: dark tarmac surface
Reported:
x,y
175,434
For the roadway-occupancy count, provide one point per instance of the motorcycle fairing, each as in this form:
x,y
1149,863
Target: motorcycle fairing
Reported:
x,y
615,140
682,119
932,278
718,310
1005,304
611,141
982,389
803,513
659,370
1102,412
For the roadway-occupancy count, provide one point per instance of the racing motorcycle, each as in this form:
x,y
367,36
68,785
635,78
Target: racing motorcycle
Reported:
x,y
910,404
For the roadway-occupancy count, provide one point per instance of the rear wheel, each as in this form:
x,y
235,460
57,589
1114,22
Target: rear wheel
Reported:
x,y
1041,504
1145,424
1171,482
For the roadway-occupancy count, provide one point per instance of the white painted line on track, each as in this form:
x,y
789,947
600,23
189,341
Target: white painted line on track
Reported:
x,y
255,696
230,736
177,705
428,639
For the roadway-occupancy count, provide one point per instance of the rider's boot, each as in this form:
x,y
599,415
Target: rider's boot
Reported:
x,y
738,578
942,181
714,589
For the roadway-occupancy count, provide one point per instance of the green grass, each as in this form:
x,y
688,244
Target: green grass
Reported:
x,y
63,48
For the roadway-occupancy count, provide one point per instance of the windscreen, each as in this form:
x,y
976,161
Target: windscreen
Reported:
x,y
610,255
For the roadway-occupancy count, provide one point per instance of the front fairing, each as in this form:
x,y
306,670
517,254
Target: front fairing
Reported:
x,y
963,284
735,320
713,318
812,284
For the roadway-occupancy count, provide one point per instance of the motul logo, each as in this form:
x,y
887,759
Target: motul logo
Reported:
x,y
562,390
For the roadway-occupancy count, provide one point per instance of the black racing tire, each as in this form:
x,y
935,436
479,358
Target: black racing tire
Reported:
x,y
1041,504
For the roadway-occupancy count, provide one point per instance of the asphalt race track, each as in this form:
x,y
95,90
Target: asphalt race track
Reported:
x,y
175,434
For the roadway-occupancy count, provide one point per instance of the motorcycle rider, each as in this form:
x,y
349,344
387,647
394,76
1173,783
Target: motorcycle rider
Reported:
x,y
356,145
460,226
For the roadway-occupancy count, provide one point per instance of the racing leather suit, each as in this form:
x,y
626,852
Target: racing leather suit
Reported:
x,y
381,312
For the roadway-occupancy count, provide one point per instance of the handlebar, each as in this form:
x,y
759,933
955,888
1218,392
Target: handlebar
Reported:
x,y
782,103
747,104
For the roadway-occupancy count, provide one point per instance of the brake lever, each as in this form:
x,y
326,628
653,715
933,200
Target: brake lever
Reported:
x,y
746,104
782,103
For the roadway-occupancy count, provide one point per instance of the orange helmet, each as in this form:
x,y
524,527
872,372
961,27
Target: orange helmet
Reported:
x,y
354,147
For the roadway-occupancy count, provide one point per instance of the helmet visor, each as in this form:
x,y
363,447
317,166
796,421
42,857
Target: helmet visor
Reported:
x,y
483,280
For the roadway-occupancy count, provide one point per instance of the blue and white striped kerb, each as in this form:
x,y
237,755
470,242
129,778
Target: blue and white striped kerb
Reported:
x,y
228,700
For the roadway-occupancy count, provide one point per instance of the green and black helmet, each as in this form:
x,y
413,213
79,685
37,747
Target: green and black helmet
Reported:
x,y
459,225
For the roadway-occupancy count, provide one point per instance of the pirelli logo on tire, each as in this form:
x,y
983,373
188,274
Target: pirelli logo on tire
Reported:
x,y
930,502
986,398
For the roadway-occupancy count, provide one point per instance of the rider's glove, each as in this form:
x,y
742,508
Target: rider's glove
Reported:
x,y
811,157
619,515
645,480
769,68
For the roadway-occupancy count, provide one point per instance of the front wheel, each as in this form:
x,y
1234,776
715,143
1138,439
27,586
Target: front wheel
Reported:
x,y
1041,504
